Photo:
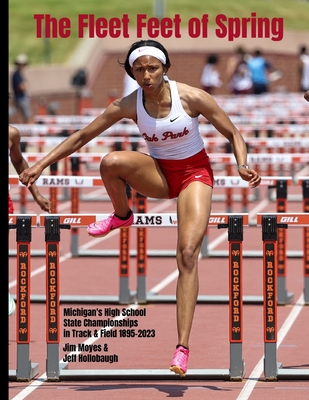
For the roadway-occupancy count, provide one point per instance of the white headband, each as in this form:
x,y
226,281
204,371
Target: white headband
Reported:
x,y
147,51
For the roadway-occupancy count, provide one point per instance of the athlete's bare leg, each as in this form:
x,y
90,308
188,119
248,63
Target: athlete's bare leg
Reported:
x,y
143,174
139,170
193,209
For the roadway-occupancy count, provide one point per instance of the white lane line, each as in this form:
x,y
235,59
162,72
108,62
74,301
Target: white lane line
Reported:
x,y
258,369
33,385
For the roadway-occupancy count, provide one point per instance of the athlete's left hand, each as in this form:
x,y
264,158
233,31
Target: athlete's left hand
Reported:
x,y
251,176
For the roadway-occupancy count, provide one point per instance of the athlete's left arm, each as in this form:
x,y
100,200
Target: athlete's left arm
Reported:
x,y
208,107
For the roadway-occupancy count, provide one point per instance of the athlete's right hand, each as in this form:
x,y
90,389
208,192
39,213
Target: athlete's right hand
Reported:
x,y
30,175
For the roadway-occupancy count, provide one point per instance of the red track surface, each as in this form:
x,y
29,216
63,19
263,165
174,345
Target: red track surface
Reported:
x,y
209,345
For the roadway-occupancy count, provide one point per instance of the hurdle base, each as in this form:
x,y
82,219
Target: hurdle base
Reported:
x,y
144,374
116,253
211,299
38,298
288,299
34,371
271,372
151,298
250,254
293,374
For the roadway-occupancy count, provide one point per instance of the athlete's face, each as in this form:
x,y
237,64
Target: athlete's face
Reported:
x,y
148,72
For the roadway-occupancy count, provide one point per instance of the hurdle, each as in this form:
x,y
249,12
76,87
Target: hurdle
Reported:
x,y
271,145
228,158
56,371
216,158
93,181
75,182
279,183
26,370
270,224
304,181
142,221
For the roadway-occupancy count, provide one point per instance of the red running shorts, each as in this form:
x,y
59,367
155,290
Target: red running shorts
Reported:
x,y
11,206
179,173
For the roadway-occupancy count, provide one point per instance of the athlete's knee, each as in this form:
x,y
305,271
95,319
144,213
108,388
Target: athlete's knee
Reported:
x,y
110,162
187,257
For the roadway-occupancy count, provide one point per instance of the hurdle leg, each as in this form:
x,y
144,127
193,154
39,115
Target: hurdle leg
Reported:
x,y
23,200
53,191
52,239
25,369
270,172
124,256
124,266
305,186
283,296
245,195
141,206
235,237
229,191
269,237
257,194
75,196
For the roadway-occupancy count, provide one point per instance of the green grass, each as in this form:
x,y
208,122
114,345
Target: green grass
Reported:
x,y
23,33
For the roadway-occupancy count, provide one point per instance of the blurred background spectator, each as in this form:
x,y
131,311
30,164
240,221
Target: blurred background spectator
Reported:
x,y
238,73
210,78
20,91
303,69
259,68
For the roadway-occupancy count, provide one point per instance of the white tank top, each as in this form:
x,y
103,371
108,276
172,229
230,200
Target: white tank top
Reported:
x,y
173,137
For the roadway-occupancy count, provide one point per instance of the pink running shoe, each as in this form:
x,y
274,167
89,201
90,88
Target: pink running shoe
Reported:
x,y
102,228
180,360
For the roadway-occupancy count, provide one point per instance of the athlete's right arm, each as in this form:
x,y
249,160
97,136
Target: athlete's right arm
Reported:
x,y
113,113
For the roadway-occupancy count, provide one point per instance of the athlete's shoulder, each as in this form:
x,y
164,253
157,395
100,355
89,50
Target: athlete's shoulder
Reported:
x,y
124,107
190,93
14,133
